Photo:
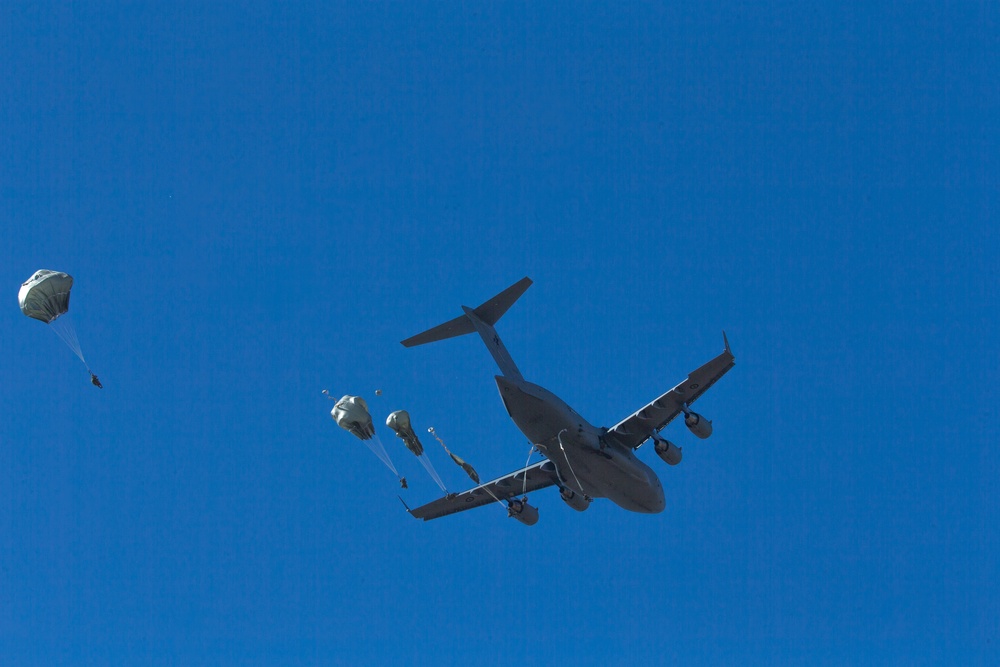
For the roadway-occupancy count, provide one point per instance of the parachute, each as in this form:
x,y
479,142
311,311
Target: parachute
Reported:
x,y
45,297
399,422
474,476
351,414
467,467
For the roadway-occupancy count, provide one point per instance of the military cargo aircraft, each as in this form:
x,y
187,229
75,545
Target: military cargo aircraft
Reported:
x,y
584,461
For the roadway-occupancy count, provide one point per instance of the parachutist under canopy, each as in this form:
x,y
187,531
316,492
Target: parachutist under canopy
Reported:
x,y
45,297
94,381
399,421
402,482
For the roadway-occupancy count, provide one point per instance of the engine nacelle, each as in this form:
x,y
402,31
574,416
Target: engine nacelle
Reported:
x,y
668,451
577,501
698,425
522,511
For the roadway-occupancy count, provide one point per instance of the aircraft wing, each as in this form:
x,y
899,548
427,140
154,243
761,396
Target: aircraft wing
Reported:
x,y
637,427
539,476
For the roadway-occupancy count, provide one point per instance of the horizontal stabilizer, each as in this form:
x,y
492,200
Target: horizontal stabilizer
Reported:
x,y
459,326
490,312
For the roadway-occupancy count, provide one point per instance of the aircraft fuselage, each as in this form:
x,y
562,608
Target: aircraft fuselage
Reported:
x,y
584,461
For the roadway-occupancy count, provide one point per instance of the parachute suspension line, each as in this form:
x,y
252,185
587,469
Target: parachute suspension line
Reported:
x,y
375,444
570,465
524,487
438,438
63,327
486,488
502,505
429,467
402,480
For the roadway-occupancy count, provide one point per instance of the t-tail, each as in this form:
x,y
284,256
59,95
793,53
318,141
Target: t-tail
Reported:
x,y
480,320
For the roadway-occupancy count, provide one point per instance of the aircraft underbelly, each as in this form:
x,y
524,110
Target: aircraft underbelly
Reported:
x,y
539,419
622,479
572,445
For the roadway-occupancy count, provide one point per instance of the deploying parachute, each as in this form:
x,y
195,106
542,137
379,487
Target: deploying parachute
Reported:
x,y
351,414
45,297
399,422
467,467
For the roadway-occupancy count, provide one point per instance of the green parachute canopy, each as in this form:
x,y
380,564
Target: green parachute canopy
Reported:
x,y
45,295
399,422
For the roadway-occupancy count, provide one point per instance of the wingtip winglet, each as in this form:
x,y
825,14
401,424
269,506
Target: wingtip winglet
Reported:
x,y
726,341
405,505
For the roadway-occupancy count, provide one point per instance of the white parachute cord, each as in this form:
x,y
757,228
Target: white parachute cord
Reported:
x,y
375,444
63,327
503,505
570,465
431,430
429,467
487,490
524,487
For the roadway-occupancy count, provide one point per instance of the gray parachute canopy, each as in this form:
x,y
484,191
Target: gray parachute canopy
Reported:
x,y
45,295
467,467
351,414
399,422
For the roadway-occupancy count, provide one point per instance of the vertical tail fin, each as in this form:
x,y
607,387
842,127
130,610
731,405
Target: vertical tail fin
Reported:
x,y
480,319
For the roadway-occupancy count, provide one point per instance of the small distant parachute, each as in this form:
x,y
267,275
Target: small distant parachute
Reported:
x,y
45,297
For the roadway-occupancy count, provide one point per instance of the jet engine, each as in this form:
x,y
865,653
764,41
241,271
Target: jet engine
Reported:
x,y
668,451
577,501
522,511
698,425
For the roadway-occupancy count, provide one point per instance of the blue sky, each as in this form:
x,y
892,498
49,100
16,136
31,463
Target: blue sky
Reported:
x,y
258,203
